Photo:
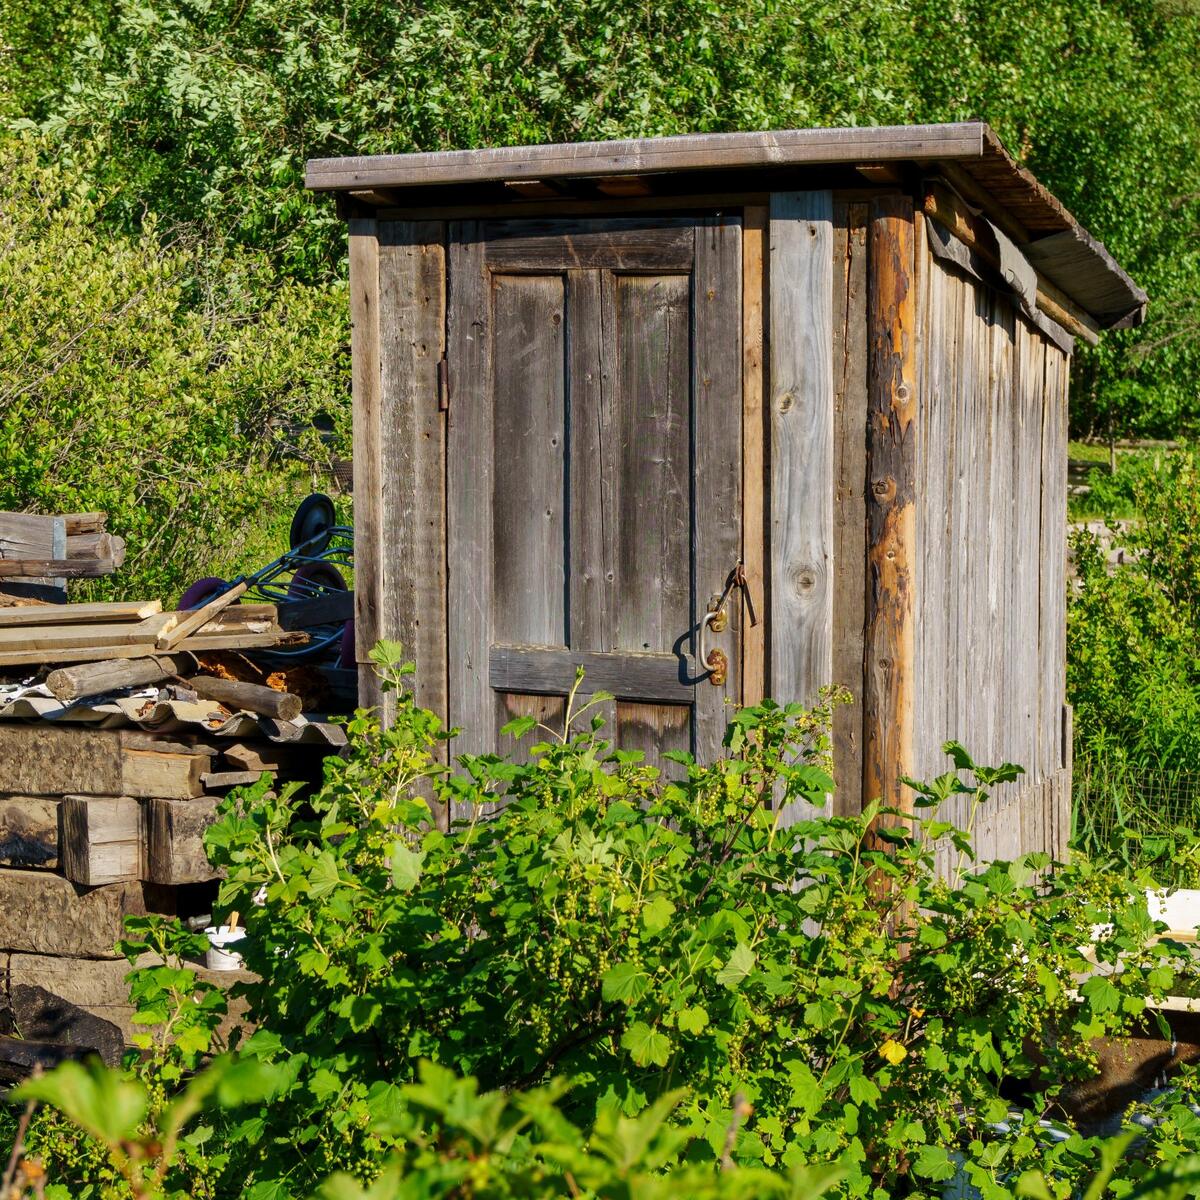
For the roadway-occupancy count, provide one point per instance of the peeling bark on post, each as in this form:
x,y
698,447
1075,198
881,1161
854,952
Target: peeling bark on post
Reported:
x,y
891,515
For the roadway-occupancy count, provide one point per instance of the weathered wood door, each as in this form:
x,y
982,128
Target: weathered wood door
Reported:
x,y
594,463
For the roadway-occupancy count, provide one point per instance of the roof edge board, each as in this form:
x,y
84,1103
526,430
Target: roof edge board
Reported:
x,y
682,152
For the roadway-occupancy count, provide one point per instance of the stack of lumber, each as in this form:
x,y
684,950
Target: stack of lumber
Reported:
x,y
38,554
66,633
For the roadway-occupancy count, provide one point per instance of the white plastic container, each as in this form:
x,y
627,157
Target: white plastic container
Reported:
x,y
219,956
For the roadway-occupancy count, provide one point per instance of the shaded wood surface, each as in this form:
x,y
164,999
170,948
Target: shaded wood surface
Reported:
x,y
29,831
102,839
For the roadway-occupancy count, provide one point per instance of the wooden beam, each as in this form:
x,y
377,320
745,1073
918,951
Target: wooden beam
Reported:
x,y
801,445
43,913
199,644
250,697
79,614
891,512
175,848
755,298
101,839
195,621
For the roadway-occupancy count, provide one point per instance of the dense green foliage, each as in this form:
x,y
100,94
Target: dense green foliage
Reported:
x,y
1133,666
609,938
170,383
204,111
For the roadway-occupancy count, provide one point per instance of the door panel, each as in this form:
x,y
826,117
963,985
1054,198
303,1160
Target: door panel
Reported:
x,y
590,514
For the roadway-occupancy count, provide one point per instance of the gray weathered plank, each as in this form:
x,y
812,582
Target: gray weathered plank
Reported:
x,y
802,445
717,396
365,387
412,603
627,675
470,469
614,244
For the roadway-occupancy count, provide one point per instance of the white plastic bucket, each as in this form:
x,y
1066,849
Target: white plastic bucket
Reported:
x,y
219,957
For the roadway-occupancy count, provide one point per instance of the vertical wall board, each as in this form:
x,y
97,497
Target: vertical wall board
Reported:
x,y
849,505
891,512
717,396
755,227
469,511
365,388
411,484
800,634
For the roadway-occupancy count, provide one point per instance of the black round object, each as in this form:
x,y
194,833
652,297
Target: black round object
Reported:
x,y
314,515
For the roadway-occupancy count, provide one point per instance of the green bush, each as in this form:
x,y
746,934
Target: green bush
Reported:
x,y
609,938
171,383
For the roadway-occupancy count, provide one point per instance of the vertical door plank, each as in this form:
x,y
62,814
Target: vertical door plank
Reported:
x,y
891,516
802,450
529,431
652,602
469,507
717,517
412,280
365,388
849,506
755,226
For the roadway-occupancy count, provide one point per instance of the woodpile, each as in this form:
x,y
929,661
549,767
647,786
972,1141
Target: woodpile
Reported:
x,y
122,727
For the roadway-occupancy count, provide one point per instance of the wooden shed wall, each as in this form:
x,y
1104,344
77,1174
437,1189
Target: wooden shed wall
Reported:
x,y
991,589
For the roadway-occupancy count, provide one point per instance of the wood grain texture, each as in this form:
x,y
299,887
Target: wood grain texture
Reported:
x,y
891,515
755,302
368,470
849,508
716,517
29,831
411,606
102,839
529,514
175,840
802,445
471,470
645,244
43,913
628,676
79,614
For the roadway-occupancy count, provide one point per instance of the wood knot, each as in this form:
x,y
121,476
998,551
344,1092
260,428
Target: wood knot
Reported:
x,y
902,392
786,400
883,489
556,319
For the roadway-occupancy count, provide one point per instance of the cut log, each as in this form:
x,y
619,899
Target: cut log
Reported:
x,y
79,614
176,841
62,760
90,545
250,697
85,522
200,617
51,638
101,839
95,679
43,913
29,831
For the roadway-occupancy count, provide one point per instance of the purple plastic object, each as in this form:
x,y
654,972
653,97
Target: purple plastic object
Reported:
x,y
202,591
318,574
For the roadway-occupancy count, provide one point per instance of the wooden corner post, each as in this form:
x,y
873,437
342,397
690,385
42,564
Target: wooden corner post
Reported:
x,y
889,679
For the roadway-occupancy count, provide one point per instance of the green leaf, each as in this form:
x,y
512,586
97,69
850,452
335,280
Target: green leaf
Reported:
x,y
863,1090
646,1046
692,1020
626,982
106,1103
657,913
518,727
740,964
406,866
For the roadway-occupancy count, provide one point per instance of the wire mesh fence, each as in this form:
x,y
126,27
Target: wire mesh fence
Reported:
x,y
1144,817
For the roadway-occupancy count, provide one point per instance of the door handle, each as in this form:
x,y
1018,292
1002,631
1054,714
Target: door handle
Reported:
x,y
715,660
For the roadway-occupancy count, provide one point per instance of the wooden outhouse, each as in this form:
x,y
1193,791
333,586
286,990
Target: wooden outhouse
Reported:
x,y
821,372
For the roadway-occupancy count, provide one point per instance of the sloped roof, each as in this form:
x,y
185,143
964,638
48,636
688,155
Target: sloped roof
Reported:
x,y
1054,242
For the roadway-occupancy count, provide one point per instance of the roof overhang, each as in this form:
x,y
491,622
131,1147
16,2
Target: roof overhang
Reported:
x,y
968,153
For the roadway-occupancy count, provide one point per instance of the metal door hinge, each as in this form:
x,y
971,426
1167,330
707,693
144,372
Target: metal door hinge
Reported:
x,y
443,377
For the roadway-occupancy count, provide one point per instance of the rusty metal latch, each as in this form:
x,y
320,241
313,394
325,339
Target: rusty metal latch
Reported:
x,y
717,619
